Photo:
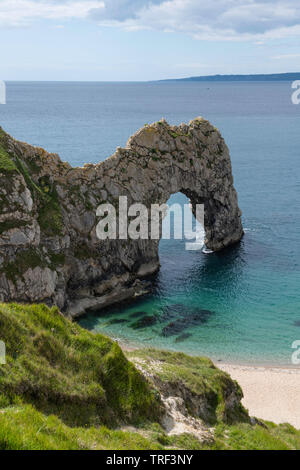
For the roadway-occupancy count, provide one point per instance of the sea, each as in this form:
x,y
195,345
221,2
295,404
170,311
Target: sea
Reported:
x,y
246,299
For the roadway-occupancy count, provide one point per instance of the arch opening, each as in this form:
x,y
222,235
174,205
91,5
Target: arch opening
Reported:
x,y
180,229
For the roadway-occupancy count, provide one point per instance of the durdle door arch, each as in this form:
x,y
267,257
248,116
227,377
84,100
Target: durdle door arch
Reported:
x,y
48,246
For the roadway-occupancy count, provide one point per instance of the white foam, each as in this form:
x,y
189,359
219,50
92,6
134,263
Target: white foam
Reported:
x,y
207,251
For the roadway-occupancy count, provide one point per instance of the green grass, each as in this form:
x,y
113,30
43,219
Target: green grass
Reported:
x,y
57,259
29,258
82,251
32,186
33,166
50,217
49,209
202,381
266,436
7,165
24,428
24,260
9,224
66,388
61,368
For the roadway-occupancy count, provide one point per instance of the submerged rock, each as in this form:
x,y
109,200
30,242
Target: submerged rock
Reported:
x,y
182,310
175,327
182,337
144,322
116,321
171,311
138,314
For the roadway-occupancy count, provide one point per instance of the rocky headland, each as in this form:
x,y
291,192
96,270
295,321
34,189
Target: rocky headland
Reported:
x,y
49,249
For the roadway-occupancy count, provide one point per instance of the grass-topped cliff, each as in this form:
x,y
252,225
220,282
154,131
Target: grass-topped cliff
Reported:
x,y
66,388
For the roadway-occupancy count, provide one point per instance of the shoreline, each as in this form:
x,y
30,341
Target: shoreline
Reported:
x,y
270,391
130,346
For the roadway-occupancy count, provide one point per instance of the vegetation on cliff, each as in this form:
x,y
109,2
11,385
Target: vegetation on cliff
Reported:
x,y
6,163
66,388
60,368
209,393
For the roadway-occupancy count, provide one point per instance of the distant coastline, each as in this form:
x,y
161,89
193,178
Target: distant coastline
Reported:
x,y
274,77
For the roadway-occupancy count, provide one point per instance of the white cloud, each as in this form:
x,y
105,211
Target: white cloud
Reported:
x,y
122,10
286,56
191,65
226,20
23,12
229,20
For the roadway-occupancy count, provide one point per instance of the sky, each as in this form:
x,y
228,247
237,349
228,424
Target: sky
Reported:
x,y
125,40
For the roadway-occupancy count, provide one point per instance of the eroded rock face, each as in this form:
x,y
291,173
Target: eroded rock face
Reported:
x,y
48,213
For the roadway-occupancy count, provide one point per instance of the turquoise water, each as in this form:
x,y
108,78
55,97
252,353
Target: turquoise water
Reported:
x,y
242,304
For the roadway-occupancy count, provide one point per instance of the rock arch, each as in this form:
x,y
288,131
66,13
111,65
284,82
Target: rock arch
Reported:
x,y
58,203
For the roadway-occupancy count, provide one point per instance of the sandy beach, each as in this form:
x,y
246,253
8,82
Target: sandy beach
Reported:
x,y
270,393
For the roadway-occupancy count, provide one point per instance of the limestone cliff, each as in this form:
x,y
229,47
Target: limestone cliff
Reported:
x,y
49,250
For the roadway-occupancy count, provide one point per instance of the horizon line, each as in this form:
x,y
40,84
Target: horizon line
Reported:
x,y
228,77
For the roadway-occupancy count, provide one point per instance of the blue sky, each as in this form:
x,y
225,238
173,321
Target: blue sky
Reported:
x,y
146,40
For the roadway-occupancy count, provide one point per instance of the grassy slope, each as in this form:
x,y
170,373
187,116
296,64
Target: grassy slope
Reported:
x,y
6,163
61,368
63,386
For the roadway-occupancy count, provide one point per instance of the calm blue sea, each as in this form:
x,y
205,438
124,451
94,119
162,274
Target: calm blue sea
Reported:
x,y
252,291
